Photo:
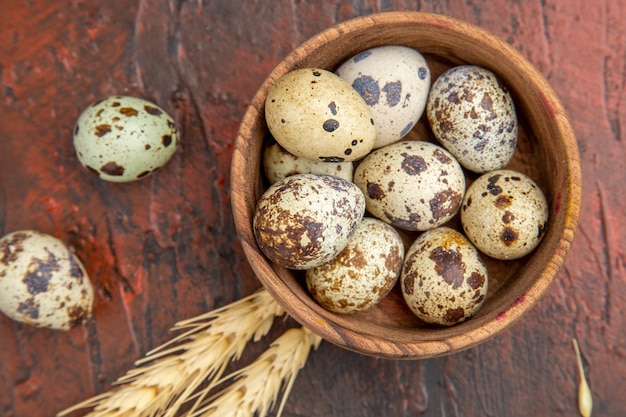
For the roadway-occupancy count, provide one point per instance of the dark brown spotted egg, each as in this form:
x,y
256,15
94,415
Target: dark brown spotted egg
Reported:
x,y
315,114
413,185
444,281
305,220
42,283
394,81
505,214
122,139
473,115
279,164
363,273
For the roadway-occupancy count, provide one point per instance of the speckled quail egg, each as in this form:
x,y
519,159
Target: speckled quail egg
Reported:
x,y
122,139
278,164
362,273
444,281
413,185
394,81
505,214
42,283
473,115
305,220
315,114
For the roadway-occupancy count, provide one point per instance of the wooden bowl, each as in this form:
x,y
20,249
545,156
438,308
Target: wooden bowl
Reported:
x,y
547,152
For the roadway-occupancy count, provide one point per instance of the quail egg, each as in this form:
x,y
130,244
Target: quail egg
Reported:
x,y
278,164
505,214
472,114
413,185
122,139
362,273
444,281
394,81
315,114
42,283
305,220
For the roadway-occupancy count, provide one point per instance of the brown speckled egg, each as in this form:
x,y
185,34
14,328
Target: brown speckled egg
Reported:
x,y
122,139
42,283
278,164
444,281
394,81
362,273
305,220
473,115
505,214
315,114
413,185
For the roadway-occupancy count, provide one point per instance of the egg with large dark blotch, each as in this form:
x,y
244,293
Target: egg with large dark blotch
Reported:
x,y
444,280
394,81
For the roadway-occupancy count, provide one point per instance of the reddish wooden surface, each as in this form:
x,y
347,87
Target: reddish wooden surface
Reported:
x,y
164,249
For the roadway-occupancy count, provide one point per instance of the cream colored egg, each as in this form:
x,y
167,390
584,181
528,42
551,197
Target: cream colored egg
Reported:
x,y
413,185
505,214
315,114
305,220
122,139
278,164
394,81
444,281
363,273
472,114
42,283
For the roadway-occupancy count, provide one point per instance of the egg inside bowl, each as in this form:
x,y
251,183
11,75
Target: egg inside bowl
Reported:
x,y
546,151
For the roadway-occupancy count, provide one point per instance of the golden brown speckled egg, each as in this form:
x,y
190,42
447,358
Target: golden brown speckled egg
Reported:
x,y
305,220
42,283
473,115
362,273
122,139
413,185
315,114
278,164
444,281
505,214
394,81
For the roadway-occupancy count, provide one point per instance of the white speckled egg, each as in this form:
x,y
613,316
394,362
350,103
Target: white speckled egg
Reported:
x,y
413,185
473,115
362,273
505,214
42,283
444,281
122,139
394,81
315,114
278,164
305,220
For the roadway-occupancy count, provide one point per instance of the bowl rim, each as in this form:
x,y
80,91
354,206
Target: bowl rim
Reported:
x,y
334,331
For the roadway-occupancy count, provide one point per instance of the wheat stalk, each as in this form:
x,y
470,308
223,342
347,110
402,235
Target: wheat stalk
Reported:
x,y
169,375
256,387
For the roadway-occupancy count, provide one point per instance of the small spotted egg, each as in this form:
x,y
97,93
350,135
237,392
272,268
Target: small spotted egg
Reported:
x,y
305,220
505,214
394,81
42,283
362,273
444,281
413,185
122,139
315,114
278,164
473,115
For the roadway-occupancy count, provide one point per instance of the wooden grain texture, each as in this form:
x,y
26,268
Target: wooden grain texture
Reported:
x,y
165,248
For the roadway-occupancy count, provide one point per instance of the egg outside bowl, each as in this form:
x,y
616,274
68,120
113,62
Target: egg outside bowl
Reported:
x,y
546,151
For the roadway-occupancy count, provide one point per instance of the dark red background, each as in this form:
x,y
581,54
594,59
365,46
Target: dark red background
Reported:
x,y
165,249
